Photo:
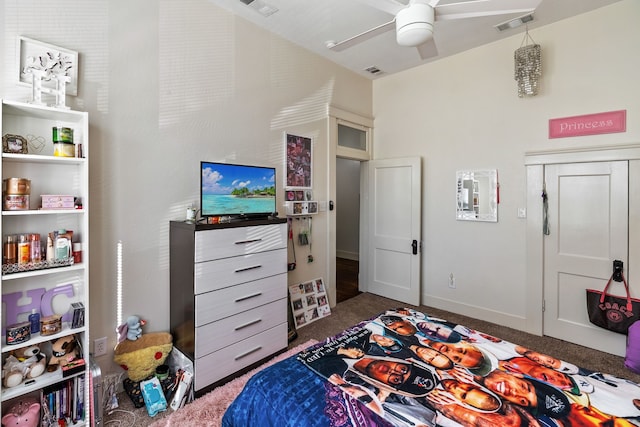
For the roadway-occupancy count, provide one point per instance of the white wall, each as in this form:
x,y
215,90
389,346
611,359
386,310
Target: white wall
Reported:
x,y
463,112
167,84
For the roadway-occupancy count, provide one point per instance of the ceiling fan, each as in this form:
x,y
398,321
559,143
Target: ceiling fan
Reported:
x,y
413,22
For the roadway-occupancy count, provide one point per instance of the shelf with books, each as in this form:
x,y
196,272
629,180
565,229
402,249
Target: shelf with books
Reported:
x,y
32,286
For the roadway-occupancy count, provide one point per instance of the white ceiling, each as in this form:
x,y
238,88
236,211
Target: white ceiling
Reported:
x,y
313,23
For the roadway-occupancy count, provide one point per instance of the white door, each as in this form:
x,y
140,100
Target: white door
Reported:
x,y
588,230
394,229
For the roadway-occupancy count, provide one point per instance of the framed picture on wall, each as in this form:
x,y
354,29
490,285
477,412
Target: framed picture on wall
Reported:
x,y
299,161
37,55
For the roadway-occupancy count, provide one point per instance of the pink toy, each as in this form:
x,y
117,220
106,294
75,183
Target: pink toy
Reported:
x,y
23,414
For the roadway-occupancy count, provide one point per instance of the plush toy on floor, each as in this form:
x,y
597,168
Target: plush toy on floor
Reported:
x,y
141,357
23,363
131,329
22,414
64,350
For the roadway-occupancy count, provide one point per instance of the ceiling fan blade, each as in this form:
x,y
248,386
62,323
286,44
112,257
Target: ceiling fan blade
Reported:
x,y
392,7
471,9
359,38
427,49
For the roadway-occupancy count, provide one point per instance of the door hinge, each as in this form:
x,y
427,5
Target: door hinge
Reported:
x,y
543,305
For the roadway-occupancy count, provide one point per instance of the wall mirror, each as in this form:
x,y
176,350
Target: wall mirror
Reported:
x,y
477,195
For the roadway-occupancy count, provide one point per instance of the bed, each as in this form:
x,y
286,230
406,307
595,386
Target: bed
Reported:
x,y
405,368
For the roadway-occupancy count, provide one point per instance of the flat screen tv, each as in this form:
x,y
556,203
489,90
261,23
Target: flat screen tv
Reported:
x,y
236,190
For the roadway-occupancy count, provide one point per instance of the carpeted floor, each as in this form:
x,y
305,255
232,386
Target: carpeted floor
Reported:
x,y
209,409
365,306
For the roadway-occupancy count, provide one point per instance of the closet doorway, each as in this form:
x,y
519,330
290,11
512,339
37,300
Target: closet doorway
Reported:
x,y
591,215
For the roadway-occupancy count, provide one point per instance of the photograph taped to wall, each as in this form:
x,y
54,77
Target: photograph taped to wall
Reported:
x,y
37,55
309,302
299,160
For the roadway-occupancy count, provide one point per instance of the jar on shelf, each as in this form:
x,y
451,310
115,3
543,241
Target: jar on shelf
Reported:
x,y
16,193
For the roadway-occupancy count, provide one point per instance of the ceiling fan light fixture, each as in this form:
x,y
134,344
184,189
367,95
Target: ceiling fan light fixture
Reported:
x,y
414,24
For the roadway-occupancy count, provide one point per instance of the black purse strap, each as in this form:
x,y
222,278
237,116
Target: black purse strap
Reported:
x,y
626,287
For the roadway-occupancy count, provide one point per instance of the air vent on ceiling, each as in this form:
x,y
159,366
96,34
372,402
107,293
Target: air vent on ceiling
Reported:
x,y
514,23
373,70
262,8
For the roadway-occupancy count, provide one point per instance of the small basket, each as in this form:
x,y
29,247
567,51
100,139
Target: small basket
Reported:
x,y
31,266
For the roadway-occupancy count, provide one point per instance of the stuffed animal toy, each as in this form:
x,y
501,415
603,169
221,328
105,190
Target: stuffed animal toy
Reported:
x,y
23,363
63,350
22,414
141,357
131,329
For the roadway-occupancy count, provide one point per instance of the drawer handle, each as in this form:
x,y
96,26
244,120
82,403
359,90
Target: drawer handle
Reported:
x,y
243,242
253,267
257,294
253,322
246,353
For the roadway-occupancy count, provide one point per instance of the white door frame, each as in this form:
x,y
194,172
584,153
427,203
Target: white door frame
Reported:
x,y
339,116
535,162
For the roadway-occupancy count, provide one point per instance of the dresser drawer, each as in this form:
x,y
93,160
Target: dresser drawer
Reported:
x,y
229,242
224,362
217,335
216,305
222,273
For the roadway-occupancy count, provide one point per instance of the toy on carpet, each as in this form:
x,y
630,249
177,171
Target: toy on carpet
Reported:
x,y
64,350
23,363
141,357
23,414
131,329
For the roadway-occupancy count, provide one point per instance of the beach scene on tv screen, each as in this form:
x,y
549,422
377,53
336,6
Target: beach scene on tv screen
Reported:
x,y
237,189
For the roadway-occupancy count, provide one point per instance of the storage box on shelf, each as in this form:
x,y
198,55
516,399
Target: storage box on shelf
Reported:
x,y
48,282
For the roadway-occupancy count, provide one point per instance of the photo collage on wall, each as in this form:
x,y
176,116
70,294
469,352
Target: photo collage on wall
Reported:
x,y
309,302
299,161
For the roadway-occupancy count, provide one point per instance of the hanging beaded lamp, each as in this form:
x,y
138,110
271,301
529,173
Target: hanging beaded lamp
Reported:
x,y
528,66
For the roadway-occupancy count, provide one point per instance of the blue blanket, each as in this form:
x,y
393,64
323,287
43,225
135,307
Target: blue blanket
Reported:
x,y
288,394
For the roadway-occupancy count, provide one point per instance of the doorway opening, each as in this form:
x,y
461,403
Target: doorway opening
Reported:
x,y
347,228
349,149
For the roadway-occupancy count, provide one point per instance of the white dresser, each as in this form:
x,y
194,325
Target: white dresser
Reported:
x,y
228,295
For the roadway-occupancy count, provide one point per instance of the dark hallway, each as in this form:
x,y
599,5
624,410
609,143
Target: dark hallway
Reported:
x,y
346,279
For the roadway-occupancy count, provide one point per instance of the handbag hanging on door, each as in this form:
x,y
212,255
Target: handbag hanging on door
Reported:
x,y
615,313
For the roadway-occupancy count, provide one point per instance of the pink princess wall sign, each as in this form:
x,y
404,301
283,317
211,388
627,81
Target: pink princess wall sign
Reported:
x,y
588,124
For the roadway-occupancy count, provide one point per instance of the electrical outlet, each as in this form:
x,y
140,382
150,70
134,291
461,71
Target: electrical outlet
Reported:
x,y
100,347
452,281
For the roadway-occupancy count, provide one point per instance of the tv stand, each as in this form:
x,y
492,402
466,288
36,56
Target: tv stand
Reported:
x,y
228,295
